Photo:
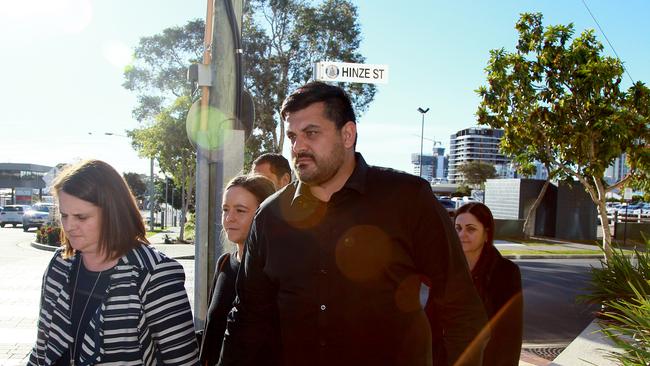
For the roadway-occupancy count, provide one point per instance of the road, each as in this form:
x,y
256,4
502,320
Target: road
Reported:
x,y
551,312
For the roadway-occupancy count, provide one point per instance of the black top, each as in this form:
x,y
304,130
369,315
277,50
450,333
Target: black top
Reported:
x,y
498,282
87,283
344,276
221,299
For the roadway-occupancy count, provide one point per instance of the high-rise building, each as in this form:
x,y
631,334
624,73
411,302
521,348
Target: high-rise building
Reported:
x,y
617,171
477,144
434,167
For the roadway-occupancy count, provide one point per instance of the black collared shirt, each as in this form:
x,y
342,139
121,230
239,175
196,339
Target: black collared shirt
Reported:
x,y
337,283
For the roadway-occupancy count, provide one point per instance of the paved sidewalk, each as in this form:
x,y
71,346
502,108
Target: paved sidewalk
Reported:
x,y
20,304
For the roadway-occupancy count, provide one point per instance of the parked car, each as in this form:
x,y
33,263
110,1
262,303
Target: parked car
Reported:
x,y
12,214
448,205
628,209
38,215
612,208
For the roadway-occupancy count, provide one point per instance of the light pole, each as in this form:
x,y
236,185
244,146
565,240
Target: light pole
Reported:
x,y
151,185
423,111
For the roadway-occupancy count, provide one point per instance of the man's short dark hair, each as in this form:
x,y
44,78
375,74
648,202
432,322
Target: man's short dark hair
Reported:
x,y
279,164
338,106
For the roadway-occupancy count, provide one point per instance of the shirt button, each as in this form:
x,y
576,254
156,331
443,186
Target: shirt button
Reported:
x,y
323,307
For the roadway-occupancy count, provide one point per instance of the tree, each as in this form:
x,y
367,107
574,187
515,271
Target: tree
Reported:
x,y
135,183
174,197
282,40
158,77
559,101
166,140
158,73
476,172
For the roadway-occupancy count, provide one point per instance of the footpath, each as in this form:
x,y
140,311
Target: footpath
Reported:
x,y
24,324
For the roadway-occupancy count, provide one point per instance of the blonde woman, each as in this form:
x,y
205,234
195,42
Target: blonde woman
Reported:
x,y
241,199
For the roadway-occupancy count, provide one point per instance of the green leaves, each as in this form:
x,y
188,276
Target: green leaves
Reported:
x,y
559,102
282,40
477,172
622,285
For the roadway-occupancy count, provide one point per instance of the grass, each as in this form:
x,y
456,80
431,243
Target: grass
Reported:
x,y
154,232
544,252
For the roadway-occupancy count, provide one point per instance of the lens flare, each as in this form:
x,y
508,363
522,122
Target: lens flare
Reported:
x,y
363,252
407,295
117,53
209,130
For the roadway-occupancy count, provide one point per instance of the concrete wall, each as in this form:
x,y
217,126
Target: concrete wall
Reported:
x,y
512,198
502,197
508,228
635,231
576,213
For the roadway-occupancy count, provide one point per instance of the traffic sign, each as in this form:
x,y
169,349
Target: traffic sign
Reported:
x,y
351,72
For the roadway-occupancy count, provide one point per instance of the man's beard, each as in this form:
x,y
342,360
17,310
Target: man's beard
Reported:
x,y
322,169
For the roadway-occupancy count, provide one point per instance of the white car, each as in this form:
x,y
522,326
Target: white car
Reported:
x,y
12,214
38,215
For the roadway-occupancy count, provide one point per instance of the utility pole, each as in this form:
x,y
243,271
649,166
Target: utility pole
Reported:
x,y
423,111
220,152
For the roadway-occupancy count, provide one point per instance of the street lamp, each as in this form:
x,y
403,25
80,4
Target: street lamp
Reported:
x,y
151,185
423,111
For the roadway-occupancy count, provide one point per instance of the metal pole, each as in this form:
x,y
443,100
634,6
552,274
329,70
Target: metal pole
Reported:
x,y
421,144
173,209
625,226
151,195
216,164
423,111
165,218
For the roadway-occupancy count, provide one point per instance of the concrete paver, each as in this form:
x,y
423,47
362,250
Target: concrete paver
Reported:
x,y
20,282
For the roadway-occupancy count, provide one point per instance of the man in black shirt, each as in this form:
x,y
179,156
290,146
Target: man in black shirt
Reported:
x,y
275,167
334,261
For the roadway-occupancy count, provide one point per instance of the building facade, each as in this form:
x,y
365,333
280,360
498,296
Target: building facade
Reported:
x,y
617,171
434,167
477,144
21,181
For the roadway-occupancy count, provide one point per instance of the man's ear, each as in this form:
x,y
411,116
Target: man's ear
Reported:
x,y
286,179
349,133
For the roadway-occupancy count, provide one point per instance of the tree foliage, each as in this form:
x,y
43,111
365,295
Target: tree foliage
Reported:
x,y
166,141
158,73
282,41
476,172
135,183
559,101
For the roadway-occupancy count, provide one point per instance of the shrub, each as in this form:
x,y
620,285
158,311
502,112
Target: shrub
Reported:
x,y
49,234
622,288
630,328
620,277
190,227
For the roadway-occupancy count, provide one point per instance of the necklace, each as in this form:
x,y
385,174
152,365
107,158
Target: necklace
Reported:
x,y
74,292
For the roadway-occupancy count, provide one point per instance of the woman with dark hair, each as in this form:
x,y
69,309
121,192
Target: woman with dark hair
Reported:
x,y
107,297
241,198
497,280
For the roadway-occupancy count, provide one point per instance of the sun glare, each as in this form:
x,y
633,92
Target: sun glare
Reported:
x,y
55,16
117,53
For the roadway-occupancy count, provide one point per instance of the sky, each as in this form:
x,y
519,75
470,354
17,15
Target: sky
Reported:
x,y
62,62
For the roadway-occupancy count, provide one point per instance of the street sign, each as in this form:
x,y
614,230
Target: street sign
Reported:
x,y
351,72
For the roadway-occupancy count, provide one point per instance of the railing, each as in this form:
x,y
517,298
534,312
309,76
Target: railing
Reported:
x,y
630,217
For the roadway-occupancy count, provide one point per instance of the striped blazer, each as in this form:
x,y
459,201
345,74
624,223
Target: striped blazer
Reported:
x,y
144,318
